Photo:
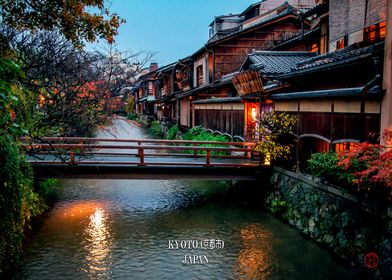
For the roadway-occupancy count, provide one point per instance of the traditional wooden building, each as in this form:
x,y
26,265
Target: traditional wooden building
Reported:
x,y
216,103
337,95
336,98
144,92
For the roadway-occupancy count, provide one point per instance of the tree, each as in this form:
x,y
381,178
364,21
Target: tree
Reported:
x,y
70,17
30,65
370,165
274,129
76,90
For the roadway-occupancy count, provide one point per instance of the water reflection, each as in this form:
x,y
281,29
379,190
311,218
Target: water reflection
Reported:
x,y
75,210
120,230
98,242
257,255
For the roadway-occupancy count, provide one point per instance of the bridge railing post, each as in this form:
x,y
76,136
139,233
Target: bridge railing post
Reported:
x,y
72,156
141,156
81,148
194,151
139,144
208,157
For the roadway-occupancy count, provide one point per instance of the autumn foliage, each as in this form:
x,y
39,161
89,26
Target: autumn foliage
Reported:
x,y
366,169
369,164
74,19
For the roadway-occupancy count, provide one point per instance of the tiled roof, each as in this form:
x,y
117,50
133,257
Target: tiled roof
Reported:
x,y
273,62
296,38
332,57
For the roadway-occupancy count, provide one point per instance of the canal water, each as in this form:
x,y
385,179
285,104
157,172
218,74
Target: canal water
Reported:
x,y
146,229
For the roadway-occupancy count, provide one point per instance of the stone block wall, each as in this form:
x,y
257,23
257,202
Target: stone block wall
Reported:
x,y
349,227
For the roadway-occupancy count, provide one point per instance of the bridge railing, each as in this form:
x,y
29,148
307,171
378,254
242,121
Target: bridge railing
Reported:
x,y
77,150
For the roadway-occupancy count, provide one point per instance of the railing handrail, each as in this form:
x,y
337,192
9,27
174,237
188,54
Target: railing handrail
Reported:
x,y
135,147
124,140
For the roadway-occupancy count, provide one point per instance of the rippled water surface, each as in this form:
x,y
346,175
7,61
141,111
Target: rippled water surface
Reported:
x,y
118,229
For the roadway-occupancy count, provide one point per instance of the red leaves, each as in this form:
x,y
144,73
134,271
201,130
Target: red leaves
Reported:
x,y
370,164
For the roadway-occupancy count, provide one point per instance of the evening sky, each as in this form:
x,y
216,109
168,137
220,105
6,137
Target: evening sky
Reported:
x,y
172,28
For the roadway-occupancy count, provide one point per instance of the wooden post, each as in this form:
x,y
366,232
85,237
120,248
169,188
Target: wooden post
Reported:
x,y
72,156
81,148
141,155
249,153
138,143
208,157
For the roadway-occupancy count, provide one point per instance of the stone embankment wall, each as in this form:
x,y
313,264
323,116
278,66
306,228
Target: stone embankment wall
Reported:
x,y
348,226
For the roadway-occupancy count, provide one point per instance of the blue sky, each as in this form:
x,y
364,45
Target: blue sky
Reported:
x,y
173,28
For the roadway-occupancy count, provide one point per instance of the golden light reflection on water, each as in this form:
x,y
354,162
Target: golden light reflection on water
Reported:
x,y
98,244
77,211
256,256
90,219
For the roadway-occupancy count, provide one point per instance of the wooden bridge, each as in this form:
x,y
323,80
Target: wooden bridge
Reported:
x,y
75,157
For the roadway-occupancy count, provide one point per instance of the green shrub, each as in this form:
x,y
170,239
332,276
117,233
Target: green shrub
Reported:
x,y
325,165
49,190
172,132
198,133
277,206
131,117
19,202
155,128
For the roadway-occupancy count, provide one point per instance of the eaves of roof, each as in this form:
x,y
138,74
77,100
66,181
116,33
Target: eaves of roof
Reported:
x,y
205,88
322,7
218,100
322,67
297,38
340,92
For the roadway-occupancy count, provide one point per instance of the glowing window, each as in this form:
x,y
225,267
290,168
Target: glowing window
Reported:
x,y
340,44
314,48
346,146
375,32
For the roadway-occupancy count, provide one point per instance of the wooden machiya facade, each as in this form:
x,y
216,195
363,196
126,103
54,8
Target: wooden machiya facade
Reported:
x,y
337,95
337,104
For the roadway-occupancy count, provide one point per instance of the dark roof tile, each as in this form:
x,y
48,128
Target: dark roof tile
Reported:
x,y
332,57
273,62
